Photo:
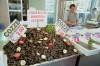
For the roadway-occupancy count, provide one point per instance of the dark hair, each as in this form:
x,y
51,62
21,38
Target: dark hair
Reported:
x,y
94,9
72,5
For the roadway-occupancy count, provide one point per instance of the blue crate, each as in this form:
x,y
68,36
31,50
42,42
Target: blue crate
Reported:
x,y
2,26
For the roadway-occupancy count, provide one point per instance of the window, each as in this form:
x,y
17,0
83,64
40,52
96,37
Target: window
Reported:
x,y
50,7
88,10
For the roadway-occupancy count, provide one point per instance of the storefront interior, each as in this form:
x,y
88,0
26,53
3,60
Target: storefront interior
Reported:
x,y
56,9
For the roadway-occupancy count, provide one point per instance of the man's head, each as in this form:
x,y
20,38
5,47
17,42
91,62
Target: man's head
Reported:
x,y
94,9
72,8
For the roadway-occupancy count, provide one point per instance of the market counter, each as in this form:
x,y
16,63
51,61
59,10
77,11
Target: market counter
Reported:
x,y
72,33
80,36
69,60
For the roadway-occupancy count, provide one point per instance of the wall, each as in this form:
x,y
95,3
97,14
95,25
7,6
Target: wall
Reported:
x,y
61,9
4,17
38,4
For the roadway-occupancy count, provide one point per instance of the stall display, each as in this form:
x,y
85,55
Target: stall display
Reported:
x,y
85,40
36,46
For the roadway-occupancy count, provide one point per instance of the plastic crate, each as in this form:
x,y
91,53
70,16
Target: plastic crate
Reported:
x,y
66,61
85,51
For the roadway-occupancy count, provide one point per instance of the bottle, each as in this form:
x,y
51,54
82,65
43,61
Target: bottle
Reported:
x,y
90,42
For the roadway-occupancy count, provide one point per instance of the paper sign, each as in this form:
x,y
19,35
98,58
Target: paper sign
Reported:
x,y
14,31
17,34
36,18
76,38
87,35
62,25
97,35
11,28
61,33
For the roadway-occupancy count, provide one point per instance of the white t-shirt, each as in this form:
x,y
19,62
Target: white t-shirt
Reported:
x,y
71,17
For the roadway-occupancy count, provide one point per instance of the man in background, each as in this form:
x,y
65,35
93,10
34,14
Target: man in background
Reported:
x,y
92,15
71,18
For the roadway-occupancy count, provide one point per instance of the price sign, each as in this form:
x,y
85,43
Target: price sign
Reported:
x,y
14,31
76,38
17,34
87,35
97,35
61,33
11,28
62,25
36,18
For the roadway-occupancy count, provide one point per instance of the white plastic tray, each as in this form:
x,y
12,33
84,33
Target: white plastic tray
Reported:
x,y
86,51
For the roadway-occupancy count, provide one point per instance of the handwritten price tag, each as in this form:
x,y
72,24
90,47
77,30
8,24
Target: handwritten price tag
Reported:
x,y
16,35
36,18
61,33
14,31
87,35
97,35
76,38
11,28
62,25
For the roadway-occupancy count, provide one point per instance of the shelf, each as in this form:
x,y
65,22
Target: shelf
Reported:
x,y
15,11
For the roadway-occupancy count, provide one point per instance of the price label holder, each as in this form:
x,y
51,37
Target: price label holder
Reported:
x,y
14,31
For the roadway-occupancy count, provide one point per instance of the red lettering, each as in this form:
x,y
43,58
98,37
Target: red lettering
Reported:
x,y
18,33
37,16
21,29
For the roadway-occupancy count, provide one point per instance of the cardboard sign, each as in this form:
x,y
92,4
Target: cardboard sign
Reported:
x,y
14,31
11,28
62,25
36,18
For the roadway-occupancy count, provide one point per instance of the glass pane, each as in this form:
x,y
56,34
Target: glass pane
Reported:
x,y
15,15
50,7
15,10
14,5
